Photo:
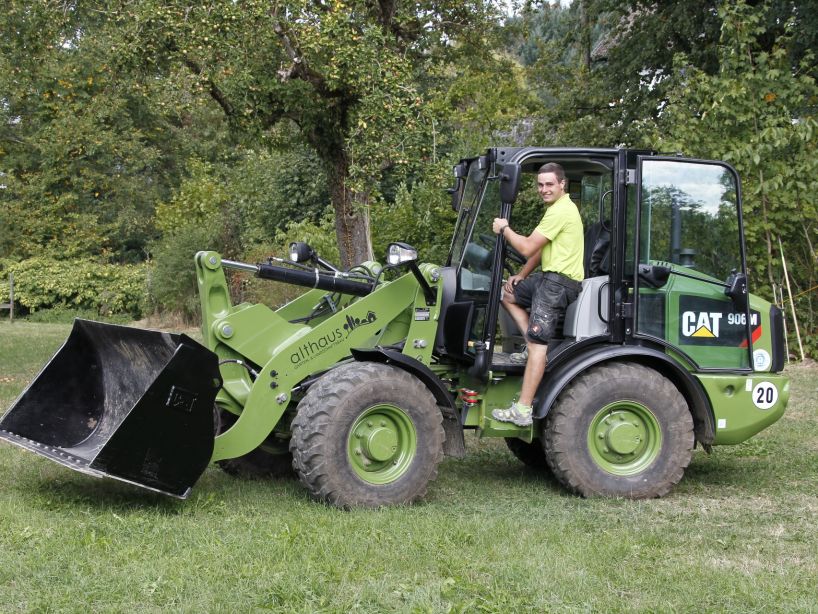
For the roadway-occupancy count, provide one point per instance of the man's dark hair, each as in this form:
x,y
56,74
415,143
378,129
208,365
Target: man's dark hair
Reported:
x,y
553,167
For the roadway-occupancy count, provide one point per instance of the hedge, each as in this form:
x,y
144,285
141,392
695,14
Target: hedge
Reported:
x,y
45,283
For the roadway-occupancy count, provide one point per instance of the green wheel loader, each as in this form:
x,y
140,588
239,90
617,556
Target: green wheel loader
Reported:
x,y
364,382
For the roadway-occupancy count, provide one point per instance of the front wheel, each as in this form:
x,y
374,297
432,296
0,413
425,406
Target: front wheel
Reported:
x,y
620,430
367,435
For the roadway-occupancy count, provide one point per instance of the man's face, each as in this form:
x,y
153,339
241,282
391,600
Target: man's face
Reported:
x,y
549,188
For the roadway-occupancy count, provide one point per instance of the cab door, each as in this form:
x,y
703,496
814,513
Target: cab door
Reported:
x,y
690,278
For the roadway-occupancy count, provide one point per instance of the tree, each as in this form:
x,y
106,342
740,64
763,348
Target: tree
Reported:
x,y
345,73
86,146
758,112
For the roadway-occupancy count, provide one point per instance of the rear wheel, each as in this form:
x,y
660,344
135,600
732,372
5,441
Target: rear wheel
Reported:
x,y
531,454
367,435
619,430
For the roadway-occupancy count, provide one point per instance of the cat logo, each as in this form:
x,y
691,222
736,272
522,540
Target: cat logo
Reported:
x,y
702,325
713,322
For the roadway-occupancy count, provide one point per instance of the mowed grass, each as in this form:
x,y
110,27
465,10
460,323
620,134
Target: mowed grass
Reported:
x,y
738,534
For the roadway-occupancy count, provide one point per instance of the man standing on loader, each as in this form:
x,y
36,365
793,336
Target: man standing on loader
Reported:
x,y
556,245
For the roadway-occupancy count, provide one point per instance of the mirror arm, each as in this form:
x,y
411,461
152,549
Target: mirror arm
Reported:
x,y
431,297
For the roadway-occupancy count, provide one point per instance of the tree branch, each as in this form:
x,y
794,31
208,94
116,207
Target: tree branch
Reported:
x,y
214,90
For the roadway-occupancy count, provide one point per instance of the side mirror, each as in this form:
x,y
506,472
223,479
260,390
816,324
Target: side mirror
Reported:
x,y
460,170
654,275
509,183
300,252
456,190
737,290
399,253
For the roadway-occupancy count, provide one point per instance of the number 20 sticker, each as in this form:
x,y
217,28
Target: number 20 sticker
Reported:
x,y
765,395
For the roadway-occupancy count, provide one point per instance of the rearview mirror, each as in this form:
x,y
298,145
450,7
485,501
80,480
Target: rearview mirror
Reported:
x,y
460,171
737,290
509,183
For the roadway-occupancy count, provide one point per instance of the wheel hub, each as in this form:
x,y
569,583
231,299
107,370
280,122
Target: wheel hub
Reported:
x,y
382,444
624,438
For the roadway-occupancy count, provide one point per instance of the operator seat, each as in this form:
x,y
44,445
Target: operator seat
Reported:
x,y
584,317
597,249
588,315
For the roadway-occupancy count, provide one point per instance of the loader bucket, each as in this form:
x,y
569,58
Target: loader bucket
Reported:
x,y
131,404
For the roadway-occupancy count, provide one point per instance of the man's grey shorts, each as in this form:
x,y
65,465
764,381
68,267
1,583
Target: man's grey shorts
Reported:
x,y
548,295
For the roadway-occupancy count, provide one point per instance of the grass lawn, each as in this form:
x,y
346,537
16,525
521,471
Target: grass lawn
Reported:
x,y
740,533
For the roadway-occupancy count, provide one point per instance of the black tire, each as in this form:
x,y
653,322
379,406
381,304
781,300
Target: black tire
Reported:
x,y
337,465
530,454
619,430
257,464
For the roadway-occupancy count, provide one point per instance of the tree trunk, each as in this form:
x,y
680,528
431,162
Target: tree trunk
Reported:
x,y
585,36
351,214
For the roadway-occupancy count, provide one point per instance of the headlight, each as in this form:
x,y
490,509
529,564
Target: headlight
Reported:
x,y
398,253
300,252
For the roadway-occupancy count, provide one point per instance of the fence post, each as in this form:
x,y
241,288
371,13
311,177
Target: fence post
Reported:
x,y
10,304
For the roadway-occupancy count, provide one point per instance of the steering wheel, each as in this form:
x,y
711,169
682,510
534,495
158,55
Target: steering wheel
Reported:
x,y
511,254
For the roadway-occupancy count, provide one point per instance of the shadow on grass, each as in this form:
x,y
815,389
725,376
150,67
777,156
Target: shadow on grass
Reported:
x,y
212,493
484,470
99,494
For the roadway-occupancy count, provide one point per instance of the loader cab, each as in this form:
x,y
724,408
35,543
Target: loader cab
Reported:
x,y
665,263
475,328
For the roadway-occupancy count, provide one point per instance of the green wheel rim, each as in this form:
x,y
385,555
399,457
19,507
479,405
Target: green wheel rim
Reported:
x,y
624,438
382,444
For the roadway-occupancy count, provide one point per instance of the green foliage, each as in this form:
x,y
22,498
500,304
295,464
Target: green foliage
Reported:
x,y
354,77
235,209
319,235
80,144
421,216
44,283
171,279
758,113
271,189
201,200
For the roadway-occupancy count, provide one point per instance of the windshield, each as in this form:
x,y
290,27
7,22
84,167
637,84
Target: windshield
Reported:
x,y
469,205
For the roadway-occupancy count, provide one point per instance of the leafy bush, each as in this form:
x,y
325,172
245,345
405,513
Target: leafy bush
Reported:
x,y
103,289
171,279
421,216
66,315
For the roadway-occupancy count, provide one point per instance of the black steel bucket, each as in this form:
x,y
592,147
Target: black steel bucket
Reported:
x,y
131,404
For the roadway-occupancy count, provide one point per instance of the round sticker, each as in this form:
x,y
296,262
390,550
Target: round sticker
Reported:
x,y
761,360
765,395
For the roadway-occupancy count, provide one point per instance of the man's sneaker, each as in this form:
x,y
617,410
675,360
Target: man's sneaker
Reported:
x,y
516,414
519,358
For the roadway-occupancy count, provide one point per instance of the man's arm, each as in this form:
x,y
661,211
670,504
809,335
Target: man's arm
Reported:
x,y
528,246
